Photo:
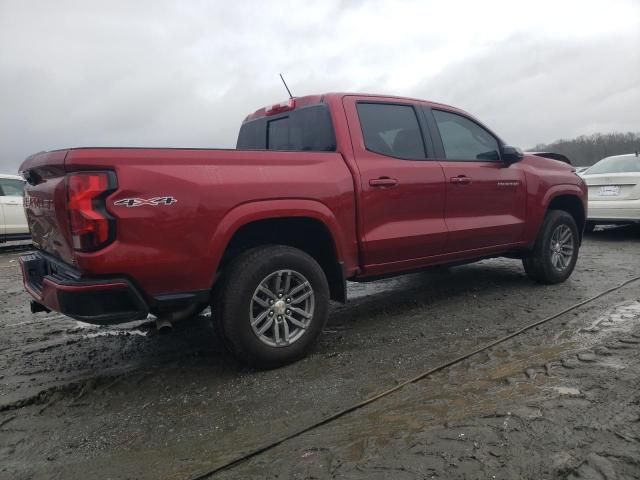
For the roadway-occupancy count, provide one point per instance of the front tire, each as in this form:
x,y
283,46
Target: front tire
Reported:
x,y
272,305
555,252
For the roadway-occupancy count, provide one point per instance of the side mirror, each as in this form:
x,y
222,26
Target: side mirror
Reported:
x,y
511,154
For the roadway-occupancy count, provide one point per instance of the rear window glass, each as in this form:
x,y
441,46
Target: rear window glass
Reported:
x,y
304,129
279,134
623,164
391,130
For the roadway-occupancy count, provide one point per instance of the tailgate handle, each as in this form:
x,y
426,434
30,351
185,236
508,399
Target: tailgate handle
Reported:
x,y
462,179
383,182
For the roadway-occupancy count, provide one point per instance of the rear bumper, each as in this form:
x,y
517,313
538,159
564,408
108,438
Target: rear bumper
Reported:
x,y
58,287
614,210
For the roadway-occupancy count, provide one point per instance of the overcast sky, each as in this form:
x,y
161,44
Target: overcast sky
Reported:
x,y
185,73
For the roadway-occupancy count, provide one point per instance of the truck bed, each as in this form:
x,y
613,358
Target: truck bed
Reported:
x,y
207,186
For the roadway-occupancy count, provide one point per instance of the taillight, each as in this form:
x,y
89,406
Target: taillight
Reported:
x,y
91,225
280,107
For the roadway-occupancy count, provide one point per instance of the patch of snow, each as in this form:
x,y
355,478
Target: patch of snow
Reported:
x,y
567,390
107,333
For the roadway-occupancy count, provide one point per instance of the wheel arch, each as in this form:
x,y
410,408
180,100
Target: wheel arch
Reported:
x,y
305,224
572,204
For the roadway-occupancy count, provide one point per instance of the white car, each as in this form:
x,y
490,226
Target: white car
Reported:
x,y
614,190
13,222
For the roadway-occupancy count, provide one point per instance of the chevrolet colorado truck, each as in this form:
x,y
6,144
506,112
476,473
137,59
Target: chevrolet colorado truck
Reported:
x,y
320,190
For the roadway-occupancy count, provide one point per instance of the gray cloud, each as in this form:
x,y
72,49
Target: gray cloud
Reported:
x,y
535,91
186,73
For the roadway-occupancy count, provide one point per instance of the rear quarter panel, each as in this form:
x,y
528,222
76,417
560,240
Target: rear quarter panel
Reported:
x,y
176,248
48,222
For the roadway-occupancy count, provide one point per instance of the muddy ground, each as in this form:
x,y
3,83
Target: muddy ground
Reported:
x,y
561,401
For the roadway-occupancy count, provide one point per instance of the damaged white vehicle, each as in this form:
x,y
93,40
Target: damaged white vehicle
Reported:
x,y
614,191
13,222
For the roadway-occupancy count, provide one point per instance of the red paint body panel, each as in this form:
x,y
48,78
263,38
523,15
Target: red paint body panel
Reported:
x,y
400,222
422,220
489,210
174,248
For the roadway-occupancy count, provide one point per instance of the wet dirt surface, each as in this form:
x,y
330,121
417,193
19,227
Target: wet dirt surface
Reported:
x,y
78,401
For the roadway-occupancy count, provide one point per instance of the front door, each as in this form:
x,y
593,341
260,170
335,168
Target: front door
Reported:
x,y
485,202
401,204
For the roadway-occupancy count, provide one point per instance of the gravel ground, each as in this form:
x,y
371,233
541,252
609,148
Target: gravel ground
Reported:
x,y
78,401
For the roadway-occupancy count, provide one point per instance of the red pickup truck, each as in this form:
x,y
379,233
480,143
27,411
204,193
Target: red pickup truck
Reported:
x,y
321,189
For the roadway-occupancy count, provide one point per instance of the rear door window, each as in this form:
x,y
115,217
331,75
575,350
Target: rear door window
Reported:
x,y
392,130
465,140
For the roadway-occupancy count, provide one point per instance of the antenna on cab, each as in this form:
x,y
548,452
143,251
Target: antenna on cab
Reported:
x,y
285,86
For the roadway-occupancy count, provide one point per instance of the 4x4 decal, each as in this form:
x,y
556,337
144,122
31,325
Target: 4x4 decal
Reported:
x,y
137,202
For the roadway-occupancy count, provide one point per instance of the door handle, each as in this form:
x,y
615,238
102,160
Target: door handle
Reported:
x,y
12,202
462,179
383,182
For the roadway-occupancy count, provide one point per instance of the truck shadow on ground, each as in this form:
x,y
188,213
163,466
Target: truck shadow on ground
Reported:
x,y
393,304
380,305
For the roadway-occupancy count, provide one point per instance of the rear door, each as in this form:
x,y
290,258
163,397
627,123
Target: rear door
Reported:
x,y
485,202
11,198
401,204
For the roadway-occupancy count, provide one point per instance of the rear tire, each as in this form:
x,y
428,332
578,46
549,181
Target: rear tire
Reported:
x,y
555,252
272,305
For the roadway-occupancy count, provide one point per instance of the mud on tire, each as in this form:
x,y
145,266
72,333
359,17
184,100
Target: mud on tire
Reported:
x,y
541,264
261,291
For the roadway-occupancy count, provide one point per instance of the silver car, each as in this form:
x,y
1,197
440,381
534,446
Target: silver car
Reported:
x,y
614,190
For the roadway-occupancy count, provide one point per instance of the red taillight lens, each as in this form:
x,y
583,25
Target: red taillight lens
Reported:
x,y
91,226
280,107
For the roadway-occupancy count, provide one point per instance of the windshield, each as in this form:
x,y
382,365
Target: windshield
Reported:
x,y
621,164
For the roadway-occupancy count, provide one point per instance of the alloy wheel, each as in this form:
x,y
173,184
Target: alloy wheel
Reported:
x,y
282,308
562,247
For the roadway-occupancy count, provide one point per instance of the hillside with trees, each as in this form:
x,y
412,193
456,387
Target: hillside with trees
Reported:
x,y
588,149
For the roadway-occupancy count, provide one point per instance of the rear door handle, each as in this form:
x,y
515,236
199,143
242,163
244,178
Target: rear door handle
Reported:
x,y
383,182
12,202
462,179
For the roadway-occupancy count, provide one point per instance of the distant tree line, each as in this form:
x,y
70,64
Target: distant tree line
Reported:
x,y
588,149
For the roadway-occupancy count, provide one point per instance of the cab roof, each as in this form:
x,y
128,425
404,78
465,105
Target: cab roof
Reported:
x,y
322,98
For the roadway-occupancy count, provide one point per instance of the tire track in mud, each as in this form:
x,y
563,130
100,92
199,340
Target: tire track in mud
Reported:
x,y
57,389
358,406
529,410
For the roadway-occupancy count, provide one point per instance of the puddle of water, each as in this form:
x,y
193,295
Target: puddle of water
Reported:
x,y
621,318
